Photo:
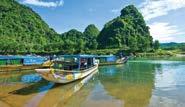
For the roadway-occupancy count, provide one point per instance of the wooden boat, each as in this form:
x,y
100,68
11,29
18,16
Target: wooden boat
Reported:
x,y
17,63
111,60
8,68
69,68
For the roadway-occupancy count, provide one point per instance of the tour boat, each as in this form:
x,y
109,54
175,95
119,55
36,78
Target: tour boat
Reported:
x,y
111,60
68,68
18,63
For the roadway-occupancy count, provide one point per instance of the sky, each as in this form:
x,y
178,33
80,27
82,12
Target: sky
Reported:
x,y
166,18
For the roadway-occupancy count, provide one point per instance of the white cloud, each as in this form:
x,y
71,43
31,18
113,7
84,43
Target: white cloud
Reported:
x,y
44,3
164,32
155,8
115,11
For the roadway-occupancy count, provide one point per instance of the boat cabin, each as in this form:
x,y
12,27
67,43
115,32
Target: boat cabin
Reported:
x,y
106,58
10,60
21,60
74,62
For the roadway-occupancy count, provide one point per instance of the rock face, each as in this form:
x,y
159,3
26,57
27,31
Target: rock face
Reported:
x,y
127,30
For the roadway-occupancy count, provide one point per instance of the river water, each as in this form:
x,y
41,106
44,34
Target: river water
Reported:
x,y
138,83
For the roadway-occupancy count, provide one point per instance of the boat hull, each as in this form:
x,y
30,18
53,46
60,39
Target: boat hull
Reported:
x,y
122,61
66,77
18,67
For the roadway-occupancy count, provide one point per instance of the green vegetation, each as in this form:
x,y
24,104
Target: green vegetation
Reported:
x,y
23,31
91,33
74,41
126,31
165,49
173,46
156,45
157,53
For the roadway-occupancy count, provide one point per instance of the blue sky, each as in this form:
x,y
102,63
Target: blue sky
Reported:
x,y
164,17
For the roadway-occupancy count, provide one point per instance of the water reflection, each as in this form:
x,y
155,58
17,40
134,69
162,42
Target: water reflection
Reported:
x,y
42,93
139,83
170,86
132,84
34,88
31,78
60,96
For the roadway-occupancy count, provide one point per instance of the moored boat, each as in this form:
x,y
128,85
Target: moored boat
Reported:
x,y
68,68
16,63
111,60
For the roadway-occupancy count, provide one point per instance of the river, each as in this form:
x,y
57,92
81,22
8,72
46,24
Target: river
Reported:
x,y
141,82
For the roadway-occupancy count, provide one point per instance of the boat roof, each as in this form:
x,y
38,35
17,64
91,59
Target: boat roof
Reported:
x,y
79,56
9,57
5,57
105,56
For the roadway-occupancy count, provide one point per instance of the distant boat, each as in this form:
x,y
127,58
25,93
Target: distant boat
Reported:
x,y
13,63
111,60
68,68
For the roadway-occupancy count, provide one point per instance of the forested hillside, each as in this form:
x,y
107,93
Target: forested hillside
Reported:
x,y
128,30
172,46
22,30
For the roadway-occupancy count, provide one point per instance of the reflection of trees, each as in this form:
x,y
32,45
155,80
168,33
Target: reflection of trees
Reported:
x,y
132,83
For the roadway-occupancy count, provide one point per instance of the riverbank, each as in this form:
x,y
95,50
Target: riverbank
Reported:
x,y
161,53
118,51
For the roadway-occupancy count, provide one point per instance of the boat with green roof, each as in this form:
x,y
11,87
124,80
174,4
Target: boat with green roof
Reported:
x,y
69,68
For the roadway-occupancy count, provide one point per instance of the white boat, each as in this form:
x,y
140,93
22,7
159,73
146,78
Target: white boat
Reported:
x,y
69,68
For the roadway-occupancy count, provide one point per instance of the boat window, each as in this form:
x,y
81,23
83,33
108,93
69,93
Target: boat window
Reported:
x,y
72,66
71,63
86,63
66,63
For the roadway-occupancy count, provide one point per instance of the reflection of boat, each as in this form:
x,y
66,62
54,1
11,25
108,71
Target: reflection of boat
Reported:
x,y
42,93
69,68
60,95
111,60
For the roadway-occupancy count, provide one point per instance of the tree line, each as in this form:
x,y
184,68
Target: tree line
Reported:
x,y
23,31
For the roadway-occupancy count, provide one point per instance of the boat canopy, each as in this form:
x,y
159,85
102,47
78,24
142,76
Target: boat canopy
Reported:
x,y
74,62
78,56
106,58
25,60
9,57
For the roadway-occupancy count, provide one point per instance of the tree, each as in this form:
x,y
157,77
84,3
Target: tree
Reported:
x,y
156,45
24,29
91,33
132,43
121,31
74,40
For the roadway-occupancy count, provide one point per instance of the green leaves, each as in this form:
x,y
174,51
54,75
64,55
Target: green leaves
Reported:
x,y
91,33
127,30
156,45
24,31
73,40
